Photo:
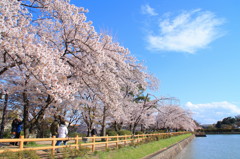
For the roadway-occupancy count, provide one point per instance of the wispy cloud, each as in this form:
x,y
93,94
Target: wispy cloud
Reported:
x,y
146,9
213,111
187,32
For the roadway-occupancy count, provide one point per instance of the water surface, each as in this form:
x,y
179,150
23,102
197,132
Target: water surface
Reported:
x,y
212,147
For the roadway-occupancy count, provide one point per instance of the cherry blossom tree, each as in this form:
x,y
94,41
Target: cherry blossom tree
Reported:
x,y
61,51
30,102
56,58
137,112
89,110
174,117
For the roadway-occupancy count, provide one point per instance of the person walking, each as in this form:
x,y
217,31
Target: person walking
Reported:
x,y
19,129
62,133
14,130
54,126
94,131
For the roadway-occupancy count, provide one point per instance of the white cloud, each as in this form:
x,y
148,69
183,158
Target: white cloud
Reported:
x,y
146,9
215,105
187,32
204,113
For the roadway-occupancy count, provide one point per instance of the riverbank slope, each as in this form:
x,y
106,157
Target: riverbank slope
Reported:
x,y
171,151
140,151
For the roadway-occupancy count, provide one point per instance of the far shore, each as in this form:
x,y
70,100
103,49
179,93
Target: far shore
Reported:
x,y
222,133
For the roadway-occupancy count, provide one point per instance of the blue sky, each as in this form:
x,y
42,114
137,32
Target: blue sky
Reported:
x,y
191,46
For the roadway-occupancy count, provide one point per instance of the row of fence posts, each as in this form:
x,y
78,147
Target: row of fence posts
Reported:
x,y
77,138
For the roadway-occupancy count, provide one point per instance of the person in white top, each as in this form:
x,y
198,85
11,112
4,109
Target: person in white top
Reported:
x,y
62,133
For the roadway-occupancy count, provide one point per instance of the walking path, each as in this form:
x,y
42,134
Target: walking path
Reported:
x,y
44,154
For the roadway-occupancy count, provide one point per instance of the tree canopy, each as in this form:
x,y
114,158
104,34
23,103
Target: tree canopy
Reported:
x,y
52,60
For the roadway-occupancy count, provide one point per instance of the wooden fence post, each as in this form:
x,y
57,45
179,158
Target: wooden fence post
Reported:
x,y
53,145
93,143
106,145
132,139
117,142
125,138
21,143
76,142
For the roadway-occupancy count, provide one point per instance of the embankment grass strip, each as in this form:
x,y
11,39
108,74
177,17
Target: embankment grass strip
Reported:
x,y
139,151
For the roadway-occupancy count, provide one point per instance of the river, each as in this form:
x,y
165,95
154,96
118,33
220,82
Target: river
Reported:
x,y
212,147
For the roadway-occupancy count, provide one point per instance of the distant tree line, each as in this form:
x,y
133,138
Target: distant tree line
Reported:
x,y
226,125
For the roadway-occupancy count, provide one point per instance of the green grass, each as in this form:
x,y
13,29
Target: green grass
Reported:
x,y
138,151
34,144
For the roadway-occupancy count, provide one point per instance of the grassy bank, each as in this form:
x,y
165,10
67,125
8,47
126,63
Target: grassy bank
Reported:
x,y
136,152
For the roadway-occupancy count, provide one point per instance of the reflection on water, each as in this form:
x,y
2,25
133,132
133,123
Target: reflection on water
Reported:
x,y
212,147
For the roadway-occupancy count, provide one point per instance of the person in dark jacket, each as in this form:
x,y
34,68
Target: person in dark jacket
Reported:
x,y
14,130
54,126
94,132
19,129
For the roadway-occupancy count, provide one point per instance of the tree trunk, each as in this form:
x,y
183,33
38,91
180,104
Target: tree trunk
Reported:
x,y
142,128
134,129
88,132
87,121
103,130
26,123
89,127
4,112
130,127
115,126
